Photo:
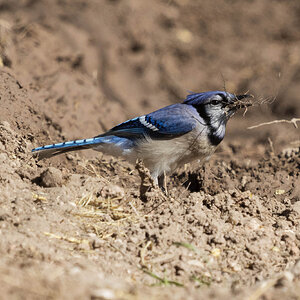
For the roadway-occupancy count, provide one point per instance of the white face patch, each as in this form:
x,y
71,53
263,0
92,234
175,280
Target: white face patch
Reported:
x,y
218,97
147,124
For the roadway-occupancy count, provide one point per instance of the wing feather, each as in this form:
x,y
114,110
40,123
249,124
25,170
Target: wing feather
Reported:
x,y
168,122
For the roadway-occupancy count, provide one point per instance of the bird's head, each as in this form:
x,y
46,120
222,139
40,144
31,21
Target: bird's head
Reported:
x,y
217,106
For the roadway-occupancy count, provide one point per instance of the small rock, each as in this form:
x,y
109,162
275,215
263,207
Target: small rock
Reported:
x,y
235,217
103,294
112,191
184,35
97,243
235,266
51,177
253,224
3,157
5,125
216,252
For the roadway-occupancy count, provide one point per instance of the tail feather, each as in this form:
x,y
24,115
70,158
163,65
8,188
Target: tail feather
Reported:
x,y
55,149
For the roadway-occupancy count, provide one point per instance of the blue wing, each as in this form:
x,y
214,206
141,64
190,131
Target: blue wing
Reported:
x,y
168,122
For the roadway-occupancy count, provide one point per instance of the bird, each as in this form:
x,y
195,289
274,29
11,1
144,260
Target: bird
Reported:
x,y
166,138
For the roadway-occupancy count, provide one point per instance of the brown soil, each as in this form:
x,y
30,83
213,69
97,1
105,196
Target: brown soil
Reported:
x,y
74,227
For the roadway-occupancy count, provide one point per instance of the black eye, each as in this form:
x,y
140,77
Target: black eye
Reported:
x,y
214,102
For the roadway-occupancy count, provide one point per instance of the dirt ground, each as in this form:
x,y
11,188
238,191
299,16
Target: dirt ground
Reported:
x,y
74,226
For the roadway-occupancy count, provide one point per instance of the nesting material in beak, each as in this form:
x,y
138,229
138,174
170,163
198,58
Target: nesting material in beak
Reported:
x,y
239,102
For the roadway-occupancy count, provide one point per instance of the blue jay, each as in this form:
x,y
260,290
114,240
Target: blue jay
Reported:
x,y
166,138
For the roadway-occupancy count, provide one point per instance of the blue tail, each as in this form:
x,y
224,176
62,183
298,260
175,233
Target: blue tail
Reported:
x,y
109,144
55,149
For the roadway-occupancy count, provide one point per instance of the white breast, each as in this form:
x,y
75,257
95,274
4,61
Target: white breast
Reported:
x,y
161,156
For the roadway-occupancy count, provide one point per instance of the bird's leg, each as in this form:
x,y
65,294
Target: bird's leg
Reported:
x,y
162,183
148,181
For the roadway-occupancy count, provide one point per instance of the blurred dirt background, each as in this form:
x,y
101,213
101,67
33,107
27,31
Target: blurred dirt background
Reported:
x,y
74,227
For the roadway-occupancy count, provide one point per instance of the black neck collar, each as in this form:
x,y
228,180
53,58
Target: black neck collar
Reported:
x,y
215,136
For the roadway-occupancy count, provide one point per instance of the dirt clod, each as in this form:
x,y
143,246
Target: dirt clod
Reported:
x,y
51,177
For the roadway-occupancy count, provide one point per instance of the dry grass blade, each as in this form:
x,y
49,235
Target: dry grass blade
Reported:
x,y
241,103
262,289
143,253
257,101
292,121
186,245
67,239
163,281
201,280
104,216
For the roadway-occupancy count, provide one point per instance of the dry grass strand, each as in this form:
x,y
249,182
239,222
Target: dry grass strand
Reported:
x,y
292,121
